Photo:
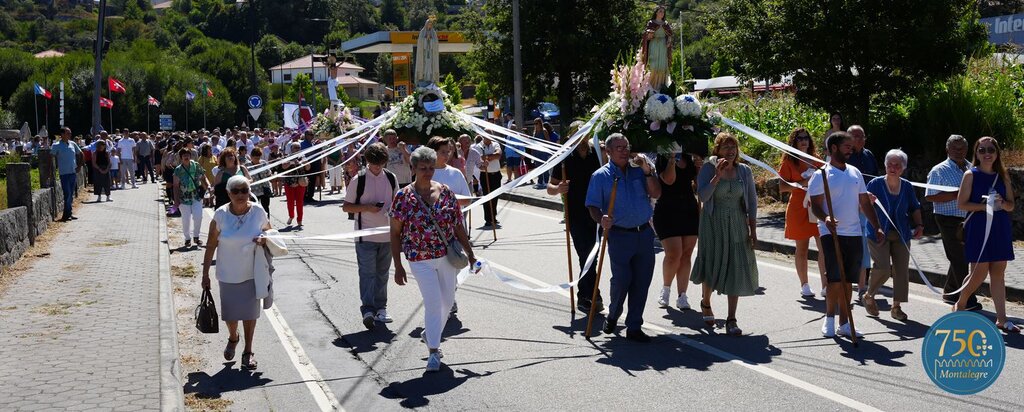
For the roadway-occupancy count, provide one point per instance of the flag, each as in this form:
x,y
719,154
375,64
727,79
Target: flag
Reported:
x,y
106,103
207,90
42,92
153,101
189,96
115,85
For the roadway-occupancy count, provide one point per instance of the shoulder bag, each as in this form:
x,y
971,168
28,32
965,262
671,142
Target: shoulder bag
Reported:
x,y
456,255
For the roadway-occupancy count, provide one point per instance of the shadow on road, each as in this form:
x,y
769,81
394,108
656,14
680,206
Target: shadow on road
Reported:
x,y
366,340
414,392
227,379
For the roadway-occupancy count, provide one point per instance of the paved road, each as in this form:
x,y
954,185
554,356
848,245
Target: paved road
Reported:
x,y
523,351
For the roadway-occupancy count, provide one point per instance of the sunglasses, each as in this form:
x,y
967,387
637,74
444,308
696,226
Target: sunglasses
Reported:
x,y
987,150
239,191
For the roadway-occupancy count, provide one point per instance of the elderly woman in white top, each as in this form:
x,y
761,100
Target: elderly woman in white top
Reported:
x,y
235,232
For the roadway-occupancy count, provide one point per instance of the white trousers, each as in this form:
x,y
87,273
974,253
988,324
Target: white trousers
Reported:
x,y
335,176
191,217
436,279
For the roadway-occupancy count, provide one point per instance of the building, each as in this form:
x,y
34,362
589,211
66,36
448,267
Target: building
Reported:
x,y
344,74
284,73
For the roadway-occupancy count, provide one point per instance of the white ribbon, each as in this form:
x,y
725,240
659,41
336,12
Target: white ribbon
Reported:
x,y
486,270
337,236
765,166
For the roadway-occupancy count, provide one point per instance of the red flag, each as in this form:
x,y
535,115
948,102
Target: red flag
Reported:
x,y
106,103
115,85
153,101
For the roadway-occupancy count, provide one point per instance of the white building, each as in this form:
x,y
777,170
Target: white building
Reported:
x,y
347,75
284,73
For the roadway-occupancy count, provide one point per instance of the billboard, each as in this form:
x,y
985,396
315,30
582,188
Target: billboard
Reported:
x,y
1005,29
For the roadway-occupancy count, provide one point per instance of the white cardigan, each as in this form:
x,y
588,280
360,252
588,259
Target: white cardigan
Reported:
x,y
263,267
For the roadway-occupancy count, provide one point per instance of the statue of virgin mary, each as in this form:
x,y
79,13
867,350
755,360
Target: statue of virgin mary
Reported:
x,y
427,55
656,48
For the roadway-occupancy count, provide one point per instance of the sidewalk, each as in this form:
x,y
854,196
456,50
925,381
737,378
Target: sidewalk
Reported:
x,y
82,327
770,237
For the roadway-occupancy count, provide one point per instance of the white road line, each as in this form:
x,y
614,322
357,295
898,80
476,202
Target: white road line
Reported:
x,y
311,376
766,371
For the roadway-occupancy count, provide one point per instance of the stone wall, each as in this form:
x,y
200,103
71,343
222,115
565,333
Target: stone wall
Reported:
x,y
46,204
14,242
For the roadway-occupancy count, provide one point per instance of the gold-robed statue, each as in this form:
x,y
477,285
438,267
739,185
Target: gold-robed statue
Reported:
x,y
655,49
427,55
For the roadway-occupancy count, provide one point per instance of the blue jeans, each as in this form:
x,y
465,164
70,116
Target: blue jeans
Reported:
x,y
68,184
374,261
631,255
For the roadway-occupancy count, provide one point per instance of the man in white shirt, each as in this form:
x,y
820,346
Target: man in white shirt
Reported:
x,y
848,193
126,146
472,167
490,168
398,158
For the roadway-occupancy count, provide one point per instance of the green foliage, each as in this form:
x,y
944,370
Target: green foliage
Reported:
x,y
987,100
7,118
574,42
452,88
865,51
392,12
483,92
312,97
775,116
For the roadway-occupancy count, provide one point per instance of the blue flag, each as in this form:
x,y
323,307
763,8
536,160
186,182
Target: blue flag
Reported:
x,y
189,96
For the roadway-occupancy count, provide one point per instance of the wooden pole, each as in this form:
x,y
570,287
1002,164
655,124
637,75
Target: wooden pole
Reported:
x,y
568,248
839,259
600,259
494,214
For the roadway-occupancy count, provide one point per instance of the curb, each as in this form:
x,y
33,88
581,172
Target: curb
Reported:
x,y
172,397
1013,294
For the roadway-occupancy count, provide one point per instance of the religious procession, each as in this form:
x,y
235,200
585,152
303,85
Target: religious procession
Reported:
x,y
425,252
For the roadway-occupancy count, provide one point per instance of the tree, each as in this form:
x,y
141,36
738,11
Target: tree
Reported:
x,y
391,11
849,54
483,92
311,96
570,44
452,88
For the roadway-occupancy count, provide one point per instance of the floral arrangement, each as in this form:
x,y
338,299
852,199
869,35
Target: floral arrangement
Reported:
x,y
332,122
664,124
416,124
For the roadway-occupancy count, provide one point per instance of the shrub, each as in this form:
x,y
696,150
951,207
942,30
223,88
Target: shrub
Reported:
x,y
775,115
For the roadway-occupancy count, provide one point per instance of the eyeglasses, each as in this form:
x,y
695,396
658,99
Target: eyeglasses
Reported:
x,y
240,191
987,150
624,148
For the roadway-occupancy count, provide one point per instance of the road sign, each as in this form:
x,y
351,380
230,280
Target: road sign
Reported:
x,y
255,113
255,102
166,122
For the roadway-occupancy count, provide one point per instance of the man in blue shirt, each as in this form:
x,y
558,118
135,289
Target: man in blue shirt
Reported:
x,y
630,237
66,153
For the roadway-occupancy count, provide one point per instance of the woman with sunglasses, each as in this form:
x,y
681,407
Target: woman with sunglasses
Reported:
x,y
800,227
235,233
987,182
228,165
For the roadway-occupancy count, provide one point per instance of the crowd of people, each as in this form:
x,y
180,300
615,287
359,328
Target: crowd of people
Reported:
x,y
862,226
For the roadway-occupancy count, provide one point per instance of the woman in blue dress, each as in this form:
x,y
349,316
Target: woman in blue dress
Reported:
x,y
986,183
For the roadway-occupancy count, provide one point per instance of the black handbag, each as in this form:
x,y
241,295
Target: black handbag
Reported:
x,y
206,314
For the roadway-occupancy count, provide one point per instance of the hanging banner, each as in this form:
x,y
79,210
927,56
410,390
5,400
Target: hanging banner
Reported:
x,y
402,69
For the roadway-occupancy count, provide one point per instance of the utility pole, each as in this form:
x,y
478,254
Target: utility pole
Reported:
x,y
517,69
252,43
682,52
98,69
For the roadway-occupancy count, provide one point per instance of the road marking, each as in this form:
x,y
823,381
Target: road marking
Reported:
x,y
703,347
311,376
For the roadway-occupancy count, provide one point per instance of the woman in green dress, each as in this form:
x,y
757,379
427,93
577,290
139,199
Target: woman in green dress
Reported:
x,y
655,48
725,254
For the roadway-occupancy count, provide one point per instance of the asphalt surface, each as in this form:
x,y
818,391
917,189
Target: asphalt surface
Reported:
x,y
517,350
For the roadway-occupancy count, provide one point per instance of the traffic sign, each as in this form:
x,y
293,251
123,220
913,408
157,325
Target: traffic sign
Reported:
x,y
166,122
255,113
255,102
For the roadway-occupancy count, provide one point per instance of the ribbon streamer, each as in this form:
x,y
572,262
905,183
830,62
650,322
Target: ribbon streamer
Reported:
x,y
765,166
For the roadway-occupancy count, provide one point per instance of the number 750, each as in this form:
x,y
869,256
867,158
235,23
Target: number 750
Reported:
x,y
967,344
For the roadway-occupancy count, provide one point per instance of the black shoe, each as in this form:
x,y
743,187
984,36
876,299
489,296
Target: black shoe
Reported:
x,y
637,336
974,307
188,243
609,326
584,306
197,241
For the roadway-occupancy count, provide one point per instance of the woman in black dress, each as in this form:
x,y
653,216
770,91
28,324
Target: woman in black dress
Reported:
x,y
675,221
101,163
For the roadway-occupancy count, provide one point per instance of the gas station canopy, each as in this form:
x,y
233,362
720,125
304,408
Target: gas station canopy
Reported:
x,y
404,42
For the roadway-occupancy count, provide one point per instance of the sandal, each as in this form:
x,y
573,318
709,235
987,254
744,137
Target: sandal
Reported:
x,y
247,361
1008,327
709,316
229,350
731,328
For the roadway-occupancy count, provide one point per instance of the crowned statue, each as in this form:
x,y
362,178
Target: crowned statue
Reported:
x,y
655,49
427,55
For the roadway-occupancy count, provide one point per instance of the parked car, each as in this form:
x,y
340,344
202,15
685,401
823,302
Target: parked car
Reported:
x,y
547,111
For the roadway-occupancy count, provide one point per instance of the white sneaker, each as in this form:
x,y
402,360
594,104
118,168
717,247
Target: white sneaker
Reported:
x,y
382,316
822,293
663,300
828,327
845,331
434,362
682,303
806,291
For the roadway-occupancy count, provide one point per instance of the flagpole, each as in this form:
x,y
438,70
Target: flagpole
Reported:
x,y
35,102
186,114
148,105
205,96
110,110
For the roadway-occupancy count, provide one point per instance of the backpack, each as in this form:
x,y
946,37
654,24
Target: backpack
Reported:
x,y
361,187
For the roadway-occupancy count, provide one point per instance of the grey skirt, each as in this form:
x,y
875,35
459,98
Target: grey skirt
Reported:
x,y
238,301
